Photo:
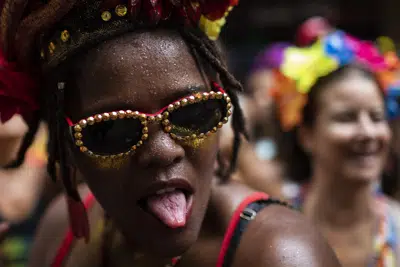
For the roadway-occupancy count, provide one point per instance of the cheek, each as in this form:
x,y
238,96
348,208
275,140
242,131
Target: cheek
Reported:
x,y
335,134
331,140
202,159
337,138
202,152
92,165
385,136
101,174
109,164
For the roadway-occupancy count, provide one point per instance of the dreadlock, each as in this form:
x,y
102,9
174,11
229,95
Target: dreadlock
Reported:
x,y
90,32
54,108
210,52
57,127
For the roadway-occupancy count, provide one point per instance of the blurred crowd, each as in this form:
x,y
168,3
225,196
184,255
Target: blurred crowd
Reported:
x,y
323,135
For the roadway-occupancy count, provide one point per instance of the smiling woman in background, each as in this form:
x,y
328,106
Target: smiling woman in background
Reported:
x,y
134,98
335,140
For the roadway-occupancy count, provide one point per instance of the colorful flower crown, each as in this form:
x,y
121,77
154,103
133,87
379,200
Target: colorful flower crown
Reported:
x,y
301,68
79,24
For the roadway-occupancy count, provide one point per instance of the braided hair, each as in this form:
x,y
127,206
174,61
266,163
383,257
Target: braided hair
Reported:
x,y
52,110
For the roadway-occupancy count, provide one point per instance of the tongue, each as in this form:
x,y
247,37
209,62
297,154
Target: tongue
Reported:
x,y
170,208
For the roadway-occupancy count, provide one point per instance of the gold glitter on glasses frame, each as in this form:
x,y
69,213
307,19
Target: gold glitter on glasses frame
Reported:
x,y
145,119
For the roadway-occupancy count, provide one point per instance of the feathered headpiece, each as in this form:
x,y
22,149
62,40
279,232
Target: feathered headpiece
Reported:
x,y
302,67
50,31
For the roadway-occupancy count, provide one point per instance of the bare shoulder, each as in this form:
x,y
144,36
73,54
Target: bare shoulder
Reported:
x,y
51,231
280,237
277,237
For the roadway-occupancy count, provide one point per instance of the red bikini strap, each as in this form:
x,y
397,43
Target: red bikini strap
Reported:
x,y
66,245
234,222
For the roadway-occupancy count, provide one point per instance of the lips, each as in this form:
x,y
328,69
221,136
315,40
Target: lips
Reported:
x,y
169,202
366,155
366,149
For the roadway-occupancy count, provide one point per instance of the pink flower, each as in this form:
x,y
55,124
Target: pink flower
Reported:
x,y
18,92
189,10
367,54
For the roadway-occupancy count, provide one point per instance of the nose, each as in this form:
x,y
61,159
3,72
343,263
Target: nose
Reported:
x,y
160,150
367,127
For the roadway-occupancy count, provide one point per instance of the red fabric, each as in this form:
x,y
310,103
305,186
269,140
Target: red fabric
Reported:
x,y
78,219
89,200
18,91
65,247
233,223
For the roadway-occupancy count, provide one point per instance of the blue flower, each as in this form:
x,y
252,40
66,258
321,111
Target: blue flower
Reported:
x,y
336,46
392,101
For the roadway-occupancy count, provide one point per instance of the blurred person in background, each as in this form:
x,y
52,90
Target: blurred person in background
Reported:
x,y
21,187
256,166
317,27
334,141
152,175
391,177
22,194
24,189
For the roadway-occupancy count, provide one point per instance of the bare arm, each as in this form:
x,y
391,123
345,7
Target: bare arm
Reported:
x,y
279,237
50,233
261,175
21,188
52,230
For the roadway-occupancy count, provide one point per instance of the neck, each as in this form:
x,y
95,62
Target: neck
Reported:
x,y
339,203
9,149
124,254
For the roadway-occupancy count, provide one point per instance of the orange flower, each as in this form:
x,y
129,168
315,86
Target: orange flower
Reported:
x,y
290,102
18,92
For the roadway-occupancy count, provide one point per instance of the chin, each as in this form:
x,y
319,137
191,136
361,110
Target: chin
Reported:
x,y
366,176
166,246
162,241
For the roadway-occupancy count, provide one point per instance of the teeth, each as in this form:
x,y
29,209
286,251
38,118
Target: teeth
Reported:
x,y
166,190
161,192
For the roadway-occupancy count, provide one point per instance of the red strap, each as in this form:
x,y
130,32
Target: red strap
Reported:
x,y
66,245
233,223
89,201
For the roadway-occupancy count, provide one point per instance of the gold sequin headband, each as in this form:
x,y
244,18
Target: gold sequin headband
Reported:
x,y
101,20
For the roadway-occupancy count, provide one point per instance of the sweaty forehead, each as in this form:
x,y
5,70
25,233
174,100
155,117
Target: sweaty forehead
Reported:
x,y
140,71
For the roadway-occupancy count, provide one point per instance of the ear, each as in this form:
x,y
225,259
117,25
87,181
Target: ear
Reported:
x,y
306,139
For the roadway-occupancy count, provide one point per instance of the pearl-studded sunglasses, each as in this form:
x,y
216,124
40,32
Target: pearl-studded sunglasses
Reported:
x,y
120,133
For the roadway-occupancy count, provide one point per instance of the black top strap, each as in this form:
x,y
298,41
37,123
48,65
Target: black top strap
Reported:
x,y
247,215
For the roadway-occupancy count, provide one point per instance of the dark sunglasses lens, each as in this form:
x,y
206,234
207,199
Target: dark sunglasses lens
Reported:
x,y
112,137
198,118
